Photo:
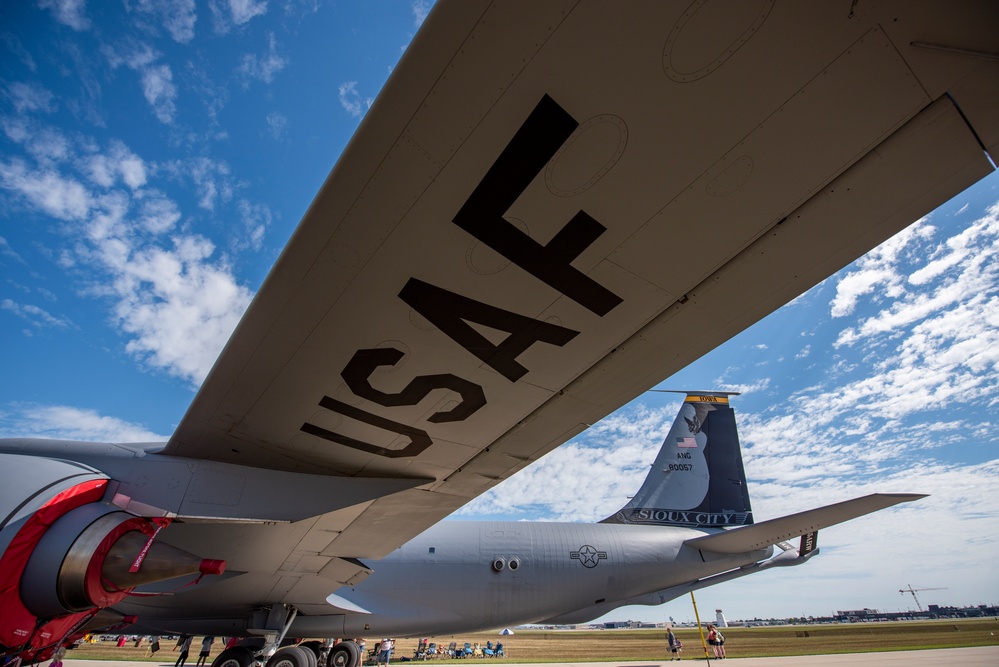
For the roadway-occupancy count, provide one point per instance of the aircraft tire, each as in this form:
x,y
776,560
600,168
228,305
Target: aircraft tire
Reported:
x,y
313,651
344,654
289,656
237,656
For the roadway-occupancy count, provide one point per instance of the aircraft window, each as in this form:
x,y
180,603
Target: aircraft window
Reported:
x,y
433,550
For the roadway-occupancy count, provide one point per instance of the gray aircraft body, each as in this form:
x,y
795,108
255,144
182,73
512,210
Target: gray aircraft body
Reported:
x,y
549,208
465,576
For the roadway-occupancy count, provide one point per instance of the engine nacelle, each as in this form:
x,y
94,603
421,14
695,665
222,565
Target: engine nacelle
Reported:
x,y
65,553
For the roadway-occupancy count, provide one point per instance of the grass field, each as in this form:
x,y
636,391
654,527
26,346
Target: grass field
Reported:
x,y
622,645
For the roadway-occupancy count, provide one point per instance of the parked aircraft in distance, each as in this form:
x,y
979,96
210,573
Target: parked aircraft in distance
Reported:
x,y
549,208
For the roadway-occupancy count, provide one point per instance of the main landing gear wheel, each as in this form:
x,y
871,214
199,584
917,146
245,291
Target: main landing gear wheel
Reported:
x,y
237,656
289,656
344,654
312,651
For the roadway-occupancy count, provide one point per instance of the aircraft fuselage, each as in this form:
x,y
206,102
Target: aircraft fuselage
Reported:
x,y
464,576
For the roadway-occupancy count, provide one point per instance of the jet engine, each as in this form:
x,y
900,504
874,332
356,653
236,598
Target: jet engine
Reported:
x,y
68,553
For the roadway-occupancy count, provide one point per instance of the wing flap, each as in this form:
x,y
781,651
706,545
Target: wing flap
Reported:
x,y
762,535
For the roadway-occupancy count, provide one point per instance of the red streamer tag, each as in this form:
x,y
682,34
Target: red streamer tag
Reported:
x,y
160,524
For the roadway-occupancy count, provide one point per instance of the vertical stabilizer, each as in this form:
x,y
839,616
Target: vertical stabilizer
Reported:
x,y
698,479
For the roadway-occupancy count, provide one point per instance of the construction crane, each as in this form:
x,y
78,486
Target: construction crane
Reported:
x,y
912,590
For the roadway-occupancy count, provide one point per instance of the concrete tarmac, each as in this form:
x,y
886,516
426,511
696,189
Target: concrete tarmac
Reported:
x,y
977,656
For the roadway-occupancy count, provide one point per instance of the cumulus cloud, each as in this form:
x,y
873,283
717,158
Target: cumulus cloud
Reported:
x,y
178,16
62,197
277,123
264,66
63,422
420,10
876,271
9,253
158,88
39,318
105,169
227,13
351,100
244,10
621,447
155,78
30,97
68,12
256,220
172,296
212,180
178,307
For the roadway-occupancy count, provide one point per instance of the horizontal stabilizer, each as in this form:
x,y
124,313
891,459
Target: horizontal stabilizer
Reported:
x,y
761,535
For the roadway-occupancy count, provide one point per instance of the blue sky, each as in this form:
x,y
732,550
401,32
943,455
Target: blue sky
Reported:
x,y
155,156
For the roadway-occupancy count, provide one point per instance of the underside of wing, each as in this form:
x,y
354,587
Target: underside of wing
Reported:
x,y
553,206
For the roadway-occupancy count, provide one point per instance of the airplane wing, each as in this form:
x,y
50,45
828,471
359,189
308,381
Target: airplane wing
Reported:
x,y
553,206
761,535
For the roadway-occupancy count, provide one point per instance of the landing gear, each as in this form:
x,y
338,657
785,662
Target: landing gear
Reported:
x,y
291,656
314,652
344,654
237,656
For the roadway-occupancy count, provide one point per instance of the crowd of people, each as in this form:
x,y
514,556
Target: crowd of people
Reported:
x,y
715,639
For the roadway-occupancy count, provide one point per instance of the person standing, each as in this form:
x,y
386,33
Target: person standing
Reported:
x,y
385,652
673,644
714,641
206,648
185,650
154,646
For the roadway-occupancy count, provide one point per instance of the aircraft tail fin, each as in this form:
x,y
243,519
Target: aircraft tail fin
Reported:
x,y
697,480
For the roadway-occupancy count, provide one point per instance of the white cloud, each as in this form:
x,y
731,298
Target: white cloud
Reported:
x,y
174,299
69,423
965,266
157,86
179,16
277,123
30,97
68,12
105,169
156,79
876,270
256,220
621,447
244,10
37,317
265,66
420,10
61,197
211,178
179,308
158,213
351,100
9,253
47,145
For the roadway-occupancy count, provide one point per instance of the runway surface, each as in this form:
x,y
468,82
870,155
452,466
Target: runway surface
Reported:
x,y
978,656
